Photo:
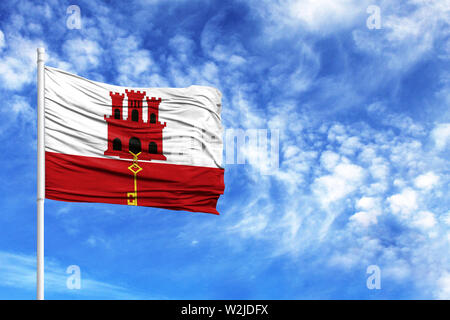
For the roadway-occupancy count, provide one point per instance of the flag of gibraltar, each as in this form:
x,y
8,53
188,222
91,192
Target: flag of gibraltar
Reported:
x,y
156,147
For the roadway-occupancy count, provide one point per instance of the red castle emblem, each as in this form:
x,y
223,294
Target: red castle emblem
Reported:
x,y
132,136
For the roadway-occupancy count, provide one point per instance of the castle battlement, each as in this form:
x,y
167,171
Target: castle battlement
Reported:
x,y
116,95
117,98
132,95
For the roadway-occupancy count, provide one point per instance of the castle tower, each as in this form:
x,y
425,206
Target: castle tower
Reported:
x,y
135,105
153,108
117,104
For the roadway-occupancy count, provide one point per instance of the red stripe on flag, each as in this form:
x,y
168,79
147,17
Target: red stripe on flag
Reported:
x,y
89,179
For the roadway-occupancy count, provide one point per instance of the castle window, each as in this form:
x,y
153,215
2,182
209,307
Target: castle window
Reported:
x,y
116,114
135,115
134,145
153,118
152,148
117,144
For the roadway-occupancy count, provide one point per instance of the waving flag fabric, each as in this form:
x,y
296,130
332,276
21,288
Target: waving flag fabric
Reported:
x,y
157,147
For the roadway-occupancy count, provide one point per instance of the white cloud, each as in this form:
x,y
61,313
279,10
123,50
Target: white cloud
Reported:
x,y
364,218
441,136
18,62
329,160
367,203
320,16
379,168
350,146
426,181
251,225
407,34
291,151
324,15
424,220
20,107
95,241
406,153
397,269
346,178
135,65
443,284
446,218
18,114
403,203
84,54
337,133
183,48
2,40
367,154
370,209
396,120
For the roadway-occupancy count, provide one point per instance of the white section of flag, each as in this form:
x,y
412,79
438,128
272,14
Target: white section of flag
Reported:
x,y
74,119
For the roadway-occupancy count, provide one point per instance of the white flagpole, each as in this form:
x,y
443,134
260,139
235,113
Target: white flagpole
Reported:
x,y
40,175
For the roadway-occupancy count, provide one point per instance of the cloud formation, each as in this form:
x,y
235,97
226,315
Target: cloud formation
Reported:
x,y
364,135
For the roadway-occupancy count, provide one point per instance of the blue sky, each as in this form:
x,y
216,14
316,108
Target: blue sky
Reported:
x,y
364,125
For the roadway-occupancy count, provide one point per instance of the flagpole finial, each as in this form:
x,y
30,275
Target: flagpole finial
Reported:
x,y
40,54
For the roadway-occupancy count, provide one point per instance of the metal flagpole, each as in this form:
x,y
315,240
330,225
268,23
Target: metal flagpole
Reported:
x,y
40,175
